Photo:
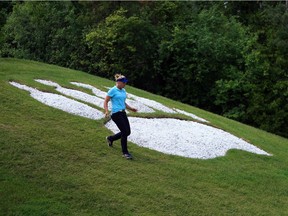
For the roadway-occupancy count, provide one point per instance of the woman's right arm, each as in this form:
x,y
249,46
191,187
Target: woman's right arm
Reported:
x,y
107,99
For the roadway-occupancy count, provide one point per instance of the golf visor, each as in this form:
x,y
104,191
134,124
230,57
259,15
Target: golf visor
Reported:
x,y
124,80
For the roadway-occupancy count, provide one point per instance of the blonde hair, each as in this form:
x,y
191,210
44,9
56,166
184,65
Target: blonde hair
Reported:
x,y
119,76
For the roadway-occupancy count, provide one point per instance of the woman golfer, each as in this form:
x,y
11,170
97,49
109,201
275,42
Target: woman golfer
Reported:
x,y
117,95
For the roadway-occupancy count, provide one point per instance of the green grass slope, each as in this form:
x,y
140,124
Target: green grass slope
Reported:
x,y
55,163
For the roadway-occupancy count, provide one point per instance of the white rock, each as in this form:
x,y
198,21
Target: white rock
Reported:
x,y
191,115
75,93
170,136
62,103
184,138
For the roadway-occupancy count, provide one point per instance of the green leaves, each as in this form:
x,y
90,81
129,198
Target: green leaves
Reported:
x,y
200,54
226,57
123,44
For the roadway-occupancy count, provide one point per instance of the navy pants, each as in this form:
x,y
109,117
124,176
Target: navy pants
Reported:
x,y
121,120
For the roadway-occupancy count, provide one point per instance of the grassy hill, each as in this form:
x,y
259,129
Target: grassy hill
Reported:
x,y
55,163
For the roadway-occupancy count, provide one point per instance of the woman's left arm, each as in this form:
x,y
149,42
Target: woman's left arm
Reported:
x,y
130,108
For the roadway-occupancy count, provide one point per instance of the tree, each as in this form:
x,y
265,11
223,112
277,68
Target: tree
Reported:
x,y
46,31
124,44
267,72
201,53
226,57
5,9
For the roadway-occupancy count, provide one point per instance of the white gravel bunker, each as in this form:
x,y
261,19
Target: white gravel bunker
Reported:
x,y
170,136
183,138
63,103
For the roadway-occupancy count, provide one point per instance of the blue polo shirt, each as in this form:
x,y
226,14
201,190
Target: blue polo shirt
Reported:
x,y
118,97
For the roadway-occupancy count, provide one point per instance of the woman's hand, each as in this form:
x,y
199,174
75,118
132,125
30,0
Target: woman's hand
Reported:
x,y
106,114
133,109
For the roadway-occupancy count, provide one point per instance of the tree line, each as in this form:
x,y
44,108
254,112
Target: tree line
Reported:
x,y
227,57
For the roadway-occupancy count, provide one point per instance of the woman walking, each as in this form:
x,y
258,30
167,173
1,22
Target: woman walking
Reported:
x,y
118,96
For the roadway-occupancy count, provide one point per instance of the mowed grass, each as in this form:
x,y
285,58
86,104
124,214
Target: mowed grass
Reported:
x,y
55,163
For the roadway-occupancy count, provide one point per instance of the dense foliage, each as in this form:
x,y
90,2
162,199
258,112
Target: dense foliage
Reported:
x,y
226,57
